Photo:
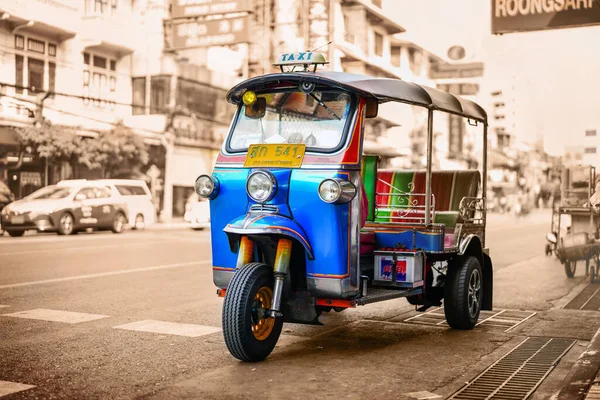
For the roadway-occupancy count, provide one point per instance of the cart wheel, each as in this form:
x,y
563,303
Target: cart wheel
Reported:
x,y
249,334
570,267
593,273
463,293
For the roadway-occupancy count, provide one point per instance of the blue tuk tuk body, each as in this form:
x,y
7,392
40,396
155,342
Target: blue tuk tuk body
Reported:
x,y
303,222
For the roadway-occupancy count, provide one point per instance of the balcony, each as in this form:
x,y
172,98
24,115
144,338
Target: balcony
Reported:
x,y
376,15
106,33
58,20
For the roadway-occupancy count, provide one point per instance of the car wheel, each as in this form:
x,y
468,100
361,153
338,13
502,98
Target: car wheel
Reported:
x,y
16,233
570,268
66,224
119,223
139,223
463,293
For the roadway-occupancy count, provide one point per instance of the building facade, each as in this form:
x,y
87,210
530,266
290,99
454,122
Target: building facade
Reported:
x,y
92,64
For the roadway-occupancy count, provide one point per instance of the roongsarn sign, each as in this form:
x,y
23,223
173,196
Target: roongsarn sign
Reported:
x,y
535,15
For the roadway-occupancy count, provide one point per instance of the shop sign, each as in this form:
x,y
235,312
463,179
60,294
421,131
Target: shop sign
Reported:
x,y
536,15
218,32
200,8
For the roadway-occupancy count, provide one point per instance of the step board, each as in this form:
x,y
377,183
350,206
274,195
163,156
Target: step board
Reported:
x,y
378,294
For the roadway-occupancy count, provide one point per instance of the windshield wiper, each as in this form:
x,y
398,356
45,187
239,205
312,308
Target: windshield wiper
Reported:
x,y
329,110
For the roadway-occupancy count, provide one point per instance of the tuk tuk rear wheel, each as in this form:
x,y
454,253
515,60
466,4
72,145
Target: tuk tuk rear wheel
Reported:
x,y
250,335
570,267
463,293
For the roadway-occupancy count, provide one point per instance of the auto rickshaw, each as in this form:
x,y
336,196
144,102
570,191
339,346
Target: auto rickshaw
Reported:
x,y
303,222
575,226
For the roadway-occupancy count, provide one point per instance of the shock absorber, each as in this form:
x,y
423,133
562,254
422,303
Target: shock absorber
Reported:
x,y
280,271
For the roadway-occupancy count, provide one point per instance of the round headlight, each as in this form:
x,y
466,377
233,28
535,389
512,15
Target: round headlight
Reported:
x,y
261,186
336,191
205,186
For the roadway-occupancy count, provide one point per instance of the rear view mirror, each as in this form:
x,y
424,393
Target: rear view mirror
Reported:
x,y
551,237
372,108
258,109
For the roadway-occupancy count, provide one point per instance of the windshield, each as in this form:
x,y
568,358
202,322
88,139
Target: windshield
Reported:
x,y
50,192
316,119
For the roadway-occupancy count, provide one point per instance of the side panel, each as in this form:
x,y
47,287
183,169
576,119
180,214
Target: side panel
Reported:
x,y
230,203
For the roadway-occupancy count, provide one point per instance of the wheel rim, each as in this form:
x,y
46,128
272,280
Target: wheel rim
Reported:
x,y
66,223
474,292
262,325
119,223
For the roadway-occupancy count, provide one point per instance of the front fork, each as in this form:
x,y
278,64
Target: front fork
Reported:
x,y
281,268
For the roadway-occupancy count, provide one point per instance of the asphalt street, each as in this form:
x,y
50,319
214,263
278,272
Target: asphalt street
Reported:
x,y
136,316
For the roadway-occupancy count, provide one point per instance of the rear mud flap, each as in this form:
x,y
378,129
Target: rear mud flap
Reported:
x,y
300,308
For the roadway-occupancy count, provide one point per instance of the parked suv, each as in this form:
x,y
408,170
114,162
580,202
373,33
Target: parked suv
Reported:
x,y
136,195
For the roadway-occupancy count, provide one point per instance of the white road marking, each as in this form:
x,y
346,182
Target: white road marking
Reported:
x,y
423,395
7,388
169,328
103,274
68,249
68,317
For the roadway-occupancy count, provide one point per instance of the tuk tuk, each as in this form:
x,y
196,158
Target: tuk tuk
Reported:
x,y
302,222
575,225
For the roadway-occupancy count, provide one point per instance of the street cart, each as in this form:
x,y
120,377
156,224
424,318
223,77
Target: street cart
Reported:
x,y
574,230
304,222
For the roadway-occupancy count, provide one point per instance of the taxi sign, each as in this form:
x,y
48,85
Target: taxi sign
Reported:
x,y
305,59
275,155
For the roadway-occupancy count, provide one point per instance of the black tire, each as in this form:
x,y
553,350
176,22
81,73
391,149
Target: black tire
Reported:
x,y
66,224
570,268
240,311
119,222
139,223
16,233
463,293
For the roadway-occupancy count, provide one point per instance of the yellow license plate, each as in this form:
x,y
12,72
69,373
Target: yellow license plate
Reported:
x,y
275,155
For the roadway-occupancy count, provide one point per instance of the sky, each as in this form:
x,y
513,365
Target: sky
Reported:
x,y
553,76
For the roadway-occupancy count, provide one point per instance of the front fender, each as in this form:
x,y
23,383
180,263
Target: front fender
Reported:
x,y
270,224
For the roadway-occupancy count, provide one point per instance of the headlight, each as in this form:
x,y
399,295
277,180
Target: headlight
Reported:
x,y
333,190
261,186
207,187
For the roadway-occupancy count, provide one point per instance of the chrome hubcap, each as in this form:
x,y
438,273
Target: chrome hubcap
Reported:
x,y
474,292
67,223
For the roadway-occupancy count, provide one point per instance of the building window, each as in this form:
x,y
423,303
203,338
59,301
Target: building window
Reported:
x,y
139,96
36,46
590,150
99,83
159,94
378,44
113,65
590,132
101,7
19,42
396,55
32,65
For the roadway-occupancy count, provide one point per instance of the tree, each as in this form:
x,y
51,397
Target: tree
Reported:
x,y
52,143
118,151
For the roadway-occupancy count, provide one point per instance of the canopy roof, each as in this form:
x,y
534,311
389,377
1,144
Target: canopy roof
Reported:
x,y
383,89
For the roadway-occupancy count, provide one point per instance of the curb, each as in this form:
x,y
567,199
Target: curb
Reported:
x,y
582,374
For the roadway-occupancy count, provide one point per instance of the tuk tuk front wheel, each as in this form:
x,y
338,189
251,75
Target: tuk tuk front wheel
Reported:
x,y
250,334
463,293
570,267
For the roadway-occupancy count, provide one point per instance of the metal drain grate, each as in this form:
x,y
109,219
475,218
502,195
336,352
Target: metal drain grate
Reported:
x,y
588,299
518,373
503,320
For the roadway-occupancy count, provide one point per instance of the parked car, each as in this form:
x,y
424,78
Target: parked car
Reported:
x,y
135,193
66,209
6,197
197,213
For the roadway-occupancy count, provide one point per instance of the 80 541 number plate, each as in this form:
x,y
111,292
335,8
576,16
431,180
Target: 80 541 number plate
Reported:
x,y
275,155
